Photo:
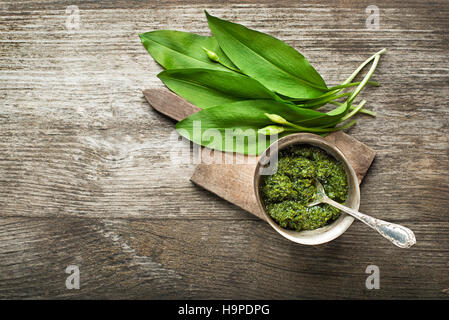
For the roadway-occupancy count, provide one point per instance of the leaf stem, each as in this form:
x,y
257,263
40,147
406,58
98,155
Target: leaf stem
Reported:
x,y
323,101
354,111
364,81
229,67
364,111
355,73
320,129
215,58
353,84
344,107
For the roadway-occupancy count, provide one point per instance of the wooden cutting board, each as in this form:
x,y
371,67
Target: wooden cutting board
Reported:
x,y
230,176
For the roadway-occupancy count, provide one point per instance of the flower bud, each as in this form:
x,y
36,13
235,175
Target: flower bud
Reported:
x,y
211,55
271,130
276,118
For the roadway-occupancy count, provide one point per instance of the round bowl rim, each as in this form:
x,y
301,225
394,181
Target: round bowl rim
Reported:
x,y
332,230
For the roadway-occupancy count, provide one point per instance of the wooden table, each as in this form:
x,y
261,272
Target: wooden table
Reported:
x,y
86,177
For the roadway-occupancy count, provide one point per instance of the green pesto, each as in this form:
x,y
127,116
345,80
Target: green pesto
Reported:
x,y
287,193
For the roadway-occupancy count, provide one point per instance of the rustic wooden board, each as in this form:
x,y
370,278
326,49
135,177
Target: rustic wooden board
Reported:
x,y
86,178
234,181
156,259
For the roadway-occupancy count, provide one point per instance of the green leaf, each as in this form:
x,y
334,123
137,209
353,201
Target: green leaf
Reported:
x,y
233,126
207,88
272,62
177,49
315,104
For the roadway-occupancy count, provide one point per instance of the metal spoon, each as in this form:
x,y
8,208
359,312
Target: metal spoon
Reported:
x,y
401,236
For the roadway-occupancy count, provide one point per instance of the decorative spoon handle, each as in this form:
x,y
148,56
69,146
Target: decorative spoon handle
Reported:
x,y
399,235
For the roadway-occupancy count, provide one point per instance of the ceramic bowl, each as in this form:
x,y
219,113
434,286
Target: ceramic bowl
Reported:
x,y
333,229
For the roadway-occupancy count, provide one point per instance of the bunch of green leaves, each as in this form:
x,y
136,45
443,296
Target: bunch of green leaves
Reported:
x,y
249,86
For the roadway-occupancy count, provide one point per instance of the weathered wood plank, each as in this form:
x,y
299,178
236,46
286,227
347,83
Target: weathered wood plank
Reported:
x,y
211,259
169,104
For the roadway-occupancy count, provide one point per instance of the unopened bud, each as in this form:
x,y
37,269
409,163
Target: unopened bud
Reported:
x,y
211,55
271,130
276,118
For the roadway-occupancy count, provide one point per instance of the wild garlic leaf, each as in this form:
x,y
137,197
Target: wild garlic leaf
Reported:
x,y
271,61
176,49
207,88
324,119
214,127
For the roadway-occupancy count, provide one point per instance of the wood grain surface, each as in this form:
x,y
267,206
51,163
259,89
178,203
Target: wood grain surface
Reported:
x,y
86,176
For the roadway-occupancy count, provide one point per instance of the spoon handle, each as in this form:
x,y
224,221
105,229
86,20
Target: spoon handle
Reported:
x,y
399,235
